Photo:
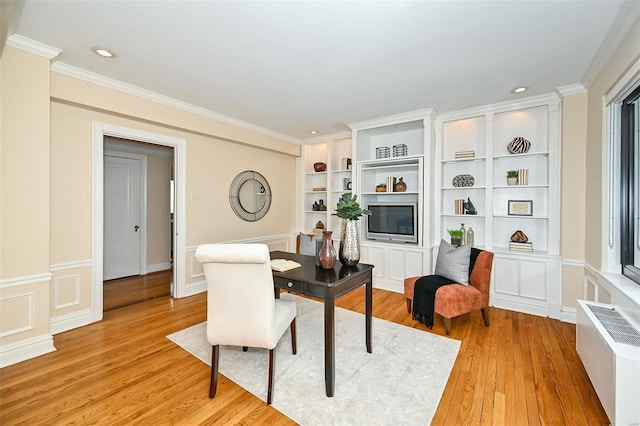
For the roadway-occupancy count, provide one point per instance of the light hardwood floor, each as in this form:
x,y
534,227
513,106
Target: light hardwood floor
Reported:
x,y
522,370
129,290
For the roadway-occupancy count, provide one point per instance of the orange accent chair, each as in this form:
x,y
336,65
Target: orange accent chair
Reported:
x,y
456,299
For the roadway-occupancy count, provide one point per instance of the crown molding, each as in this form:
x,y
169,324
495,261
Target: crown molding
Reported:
x,y
91,77
533,101
421,114
628,13
32,46
325,138
571,89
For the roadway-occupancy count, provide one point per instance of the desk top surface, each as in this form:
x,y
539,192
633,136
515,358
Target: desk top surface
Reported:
x,y
311,273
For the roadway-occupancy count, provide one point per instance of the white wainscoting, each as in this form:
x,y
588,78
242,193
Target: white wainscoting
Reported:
x,y
68,313
196,282
22,295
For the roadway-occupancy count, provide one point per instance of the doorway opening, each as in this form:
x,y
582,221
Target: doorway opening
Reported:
x,y
176,263
138,228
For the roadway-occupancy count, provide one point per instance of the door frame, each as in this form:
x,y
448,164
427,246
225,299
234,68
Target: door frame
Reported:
x,y
143,201
99,131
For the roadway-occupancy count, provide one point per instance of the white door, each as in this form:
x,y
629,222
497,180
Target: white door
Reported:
x,y
122,214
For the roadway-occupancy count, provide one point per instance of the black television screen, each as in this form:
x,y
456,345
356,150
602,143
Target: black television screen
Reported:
x,y
392,222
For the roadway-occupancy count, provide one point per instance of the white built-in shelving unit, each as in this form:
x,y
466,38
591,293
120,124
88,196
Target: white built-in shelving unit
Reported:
x,y
522,281
324,187
413,131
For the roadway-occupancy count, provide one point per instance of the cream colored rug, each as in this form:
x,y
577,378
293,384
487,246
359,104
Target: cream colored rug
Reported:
x,y
401,382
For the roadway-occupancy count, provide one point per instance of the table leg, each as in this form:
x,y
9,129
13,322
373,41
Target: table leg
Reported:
x,y
368,311
329,345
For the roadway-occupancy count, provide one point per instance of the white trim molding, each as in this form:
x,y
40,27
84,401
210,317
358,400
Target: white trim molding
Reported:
x,y
571,89
28,279
30,317
32,46
70,265
573,262
56,291
25,349
70,321
158,267
99,131
568,315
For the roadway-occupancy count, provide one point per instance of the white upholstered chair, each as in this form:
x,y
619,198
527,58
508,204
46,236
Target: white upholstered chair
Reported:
x,y
241,306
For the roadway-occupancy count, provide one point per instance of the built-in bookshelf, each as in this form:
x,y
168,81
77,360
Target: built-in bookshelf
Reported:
x,y
474,158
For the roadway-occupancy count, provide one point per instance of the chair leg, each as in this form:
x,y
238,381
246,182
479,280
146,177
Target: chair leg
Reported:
x,y
485,316
213,384
447,325
294,348
245,348
408,305
271,361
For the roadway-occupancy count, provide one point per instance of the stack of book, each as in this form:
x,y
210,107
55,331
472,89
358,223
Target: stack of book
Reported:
x,y
523,176
459,206
465,154
528,246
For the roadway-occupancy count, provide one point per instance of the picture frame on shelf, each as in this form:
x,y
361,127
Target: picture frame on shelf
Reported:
x,y
520,207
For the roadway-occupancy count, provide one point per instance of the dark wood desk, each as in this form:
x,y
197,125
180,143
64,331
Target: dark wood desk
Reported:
x,y
328,285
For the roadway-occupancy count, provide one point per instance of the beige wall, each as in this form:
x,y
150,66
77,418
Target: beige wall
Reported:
x,y
595,207
574,138
25,164
24,198
158,213
46,171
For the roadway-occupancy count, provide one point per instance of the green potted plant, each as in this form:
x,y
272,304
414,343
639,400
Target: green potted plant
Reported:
x,y
350,211
456,236
512,177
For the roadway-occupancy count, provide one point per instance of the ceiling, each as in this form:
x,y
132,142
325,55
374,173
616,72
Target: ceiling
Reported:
x,y
295,66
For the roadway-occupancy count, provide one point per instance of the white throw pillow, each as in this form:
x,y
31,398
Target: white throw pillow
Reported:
x,y
308,245
453,262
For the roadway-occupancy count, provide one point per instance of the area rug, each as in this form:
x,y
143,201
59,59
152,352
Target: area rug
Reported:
x,y
401,382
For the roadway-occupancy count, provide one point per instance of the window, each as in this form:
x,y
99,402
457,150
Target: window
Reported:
x,y
630,185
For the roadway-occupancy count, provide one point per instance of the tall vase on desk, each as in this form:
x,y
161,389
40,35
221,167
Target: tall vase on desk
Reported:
x,y
350,211
349,243
327,255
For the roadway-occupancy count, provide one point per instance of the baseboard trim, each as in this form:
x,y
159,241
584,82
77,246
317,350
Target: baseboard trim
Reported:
x,y
196,288
526,308
25,349
158,267
568,314
388,285
70,321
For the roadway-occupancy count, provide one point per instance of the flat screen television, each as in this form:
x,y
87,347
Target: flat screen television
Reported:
x,y
393,222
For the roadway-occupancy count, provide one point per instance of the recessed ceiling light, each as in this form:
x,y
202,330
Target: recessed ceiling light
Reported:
x,y
103,51
313,132
520,89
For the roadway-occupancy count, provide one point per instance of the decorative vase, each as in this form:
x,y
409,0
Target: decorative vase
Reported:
x,y
327,255
349,243
463,240
401,186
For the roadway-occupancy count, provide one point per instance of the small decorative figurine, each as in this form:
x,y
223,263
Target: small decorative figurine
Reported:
x,y
469,208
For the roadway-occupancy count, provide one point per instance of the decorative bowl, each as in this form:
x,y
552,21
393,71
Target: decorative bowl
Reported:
x,y
319,167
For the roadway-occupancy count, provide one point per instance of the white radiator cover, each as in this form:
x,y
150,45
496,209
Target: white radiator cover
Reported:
x,y
614,368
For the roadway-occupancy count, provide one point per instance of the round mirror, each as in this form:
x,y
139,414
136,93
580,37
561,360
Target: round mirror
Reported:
x,y
250,196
